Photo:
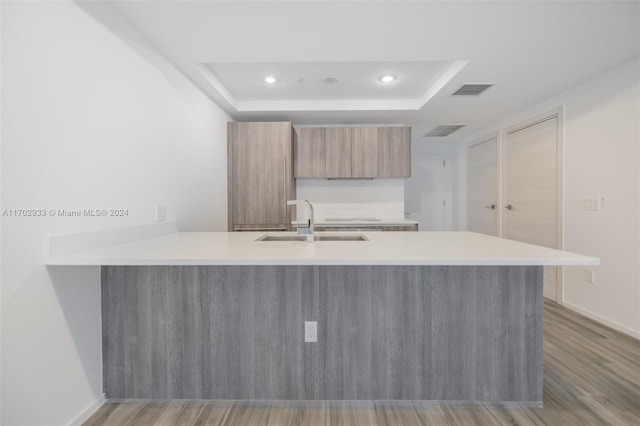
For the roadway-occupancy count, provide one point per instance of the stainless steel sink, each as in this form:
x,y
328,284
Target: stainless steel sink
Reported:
x,y
282,238
350,237
332,237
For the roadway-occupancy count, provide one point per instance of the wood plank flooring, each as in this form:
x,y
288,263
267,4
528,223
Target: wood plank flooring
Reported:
x,y
591,377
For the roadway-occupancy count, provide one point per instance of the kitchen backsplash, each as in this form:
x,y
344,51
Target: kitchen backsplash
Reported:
x,y
348,199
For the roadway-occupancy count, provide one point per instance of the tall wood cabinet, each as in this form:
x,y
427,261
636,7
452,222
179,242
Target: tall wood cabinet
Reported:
x,y
260,175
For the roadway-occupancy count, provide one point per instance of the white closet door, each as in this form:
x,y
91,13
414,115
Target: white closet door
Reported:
x,y
482,187
531,196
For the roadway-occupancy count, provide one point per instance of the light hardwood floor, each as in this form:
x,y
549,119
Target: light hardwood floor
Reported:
x,y
591,377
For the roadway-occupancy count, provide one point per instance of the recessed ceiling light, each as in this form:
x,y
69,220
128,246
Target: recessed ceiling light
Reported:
x,y
269,79
387,78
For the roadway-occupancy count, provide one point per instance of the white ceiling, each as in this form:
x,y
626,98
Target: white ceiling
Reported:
x,y
530,50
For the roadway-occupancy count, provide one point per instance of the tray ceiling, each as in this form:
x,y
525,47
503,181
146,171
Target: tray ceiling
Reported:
x,y
330,85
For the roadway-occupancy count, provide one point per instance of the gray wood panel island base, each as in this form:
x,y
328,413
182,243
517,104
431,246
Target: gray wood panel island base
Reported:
x,y
442,333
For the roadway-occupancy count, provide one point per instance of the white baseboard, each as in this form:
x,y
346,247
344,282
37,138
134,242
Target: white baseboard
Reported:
x,y
618,327
88,411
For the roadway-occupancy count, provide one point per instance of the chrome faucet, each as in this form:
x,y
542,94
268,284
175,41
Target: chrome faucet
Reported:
x,y
304,230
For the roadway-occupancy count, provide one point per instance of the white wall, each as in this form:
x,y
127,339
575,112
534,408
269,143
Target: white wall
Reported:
x,y
602,159
351,198
90,120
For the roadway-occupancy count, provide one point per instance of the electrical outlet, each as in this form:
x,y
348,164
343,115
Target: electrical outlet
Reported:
x,y
161,212
589,276
311,331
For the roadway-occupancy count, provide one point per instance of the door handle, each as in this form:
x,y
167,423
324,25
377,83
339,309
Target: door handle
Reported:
x,y
509,207
492,207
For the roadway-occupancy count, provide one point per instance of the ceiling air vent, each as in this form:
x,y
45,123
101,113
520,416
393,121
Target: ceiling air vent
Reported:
x,y
471,89
443,130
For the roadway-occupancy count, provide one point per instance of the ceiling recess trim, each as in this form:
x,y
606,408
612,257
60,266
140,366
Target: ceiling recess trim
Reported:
x,y
331,105
412,104
217,85
446,77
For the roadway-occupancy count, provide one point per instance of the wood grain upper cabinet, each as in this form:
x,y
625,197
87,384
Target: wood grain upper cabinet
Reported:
x,y
310,152
353,152
260,175
394,144
364,152
338,153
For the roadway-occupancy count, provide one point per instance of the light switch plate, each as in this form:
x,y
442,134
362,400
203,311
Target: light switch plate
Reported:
x,y
591,204
589,276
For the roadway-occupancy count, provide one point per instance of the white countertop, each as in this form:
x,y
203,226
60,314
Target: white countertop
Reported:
x,y
383,248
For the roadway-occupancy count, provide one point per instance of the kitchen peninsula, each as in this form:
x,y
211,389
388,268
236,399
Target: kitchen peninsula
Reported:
x,y
443,316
